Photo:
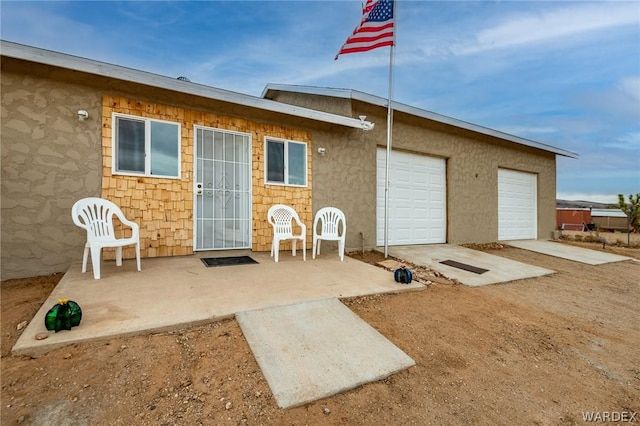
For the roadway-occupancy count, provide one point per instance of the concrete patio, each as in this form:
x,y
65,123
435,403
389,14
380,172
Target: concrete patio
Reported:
x,y
176,292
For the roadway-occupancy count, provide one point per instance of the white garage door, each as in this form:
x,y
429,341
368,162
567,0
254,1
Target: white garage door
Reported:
x,y
417,199
517,205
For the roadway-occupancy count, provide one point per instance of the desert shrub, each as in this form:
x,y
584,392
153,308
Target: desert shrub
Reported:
x,y
631,209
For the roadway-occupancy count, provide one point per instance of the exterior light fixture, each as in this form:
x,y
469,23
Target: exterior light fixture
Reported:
x,y
82,115
366,125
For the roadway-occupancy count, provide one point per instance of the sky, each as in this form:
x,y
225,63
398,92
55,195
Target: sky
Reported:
x,y
564,73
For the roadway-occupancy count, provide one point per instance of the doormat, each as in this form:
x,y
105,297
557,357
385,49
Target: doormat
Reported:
x,y
464,266
227,261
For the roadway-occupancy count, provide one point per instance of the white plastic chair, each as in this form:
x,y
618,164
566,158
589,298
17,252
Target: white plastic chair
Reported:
x,y
96,216
281,217
330,219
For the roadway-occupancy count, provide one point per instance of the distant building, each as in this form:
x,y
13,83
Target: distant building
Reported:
x,y
587,219
610,219
573,219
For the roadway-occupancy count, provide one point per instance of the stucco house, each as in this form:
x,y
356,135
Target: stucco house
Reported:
x,y
198,167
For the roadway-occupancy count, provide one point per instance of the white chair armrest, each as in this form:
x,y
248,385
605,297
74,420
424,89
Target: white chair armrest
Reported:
x,y
135,228
301,225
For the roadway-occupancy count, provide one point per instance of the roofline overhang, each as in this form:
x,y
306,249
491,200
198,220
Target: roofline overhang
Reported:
x,y
397,106
76,63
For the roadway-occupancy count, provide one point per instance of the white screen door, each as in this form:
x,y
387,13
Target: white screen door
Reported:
x,y
222,190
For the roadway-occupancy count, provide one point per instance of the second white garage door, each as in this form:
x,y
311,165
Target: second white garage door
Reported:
x,y
417,199
517,205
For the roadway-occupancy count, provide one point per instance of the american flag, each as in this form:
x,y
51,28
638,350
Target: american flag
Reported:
x,y
375,30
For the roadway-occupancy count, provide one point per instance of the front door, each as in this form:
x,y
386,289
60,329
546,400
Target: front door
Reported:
x,y
222,190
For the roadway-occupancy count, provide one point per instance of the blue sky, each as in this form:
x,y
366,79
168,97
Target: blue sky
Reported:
x,y
564,73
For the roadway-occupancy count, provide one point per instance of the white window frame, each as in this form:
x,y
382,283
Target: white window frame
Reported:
x,y
147,146
286,143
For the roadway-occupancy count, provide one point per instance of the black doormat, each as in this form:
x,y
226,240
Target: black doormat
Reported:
x,y
464,266
227,261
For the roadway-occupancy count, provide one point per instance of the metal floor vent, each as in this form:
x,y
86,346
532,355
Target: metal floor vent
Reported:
x,y
464,266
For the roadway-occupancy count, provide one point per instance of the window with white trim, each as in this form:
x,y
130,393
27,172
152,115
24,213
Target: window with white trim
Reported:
x,y
286,162
145,146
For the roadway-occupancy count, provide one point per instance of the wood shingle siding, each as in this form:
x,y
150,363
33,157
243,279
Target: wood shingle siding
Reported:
x,y
163,207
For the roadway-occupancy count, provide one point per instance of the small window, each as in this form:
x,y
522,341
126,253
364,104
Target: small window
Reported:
x,y
147,147
286,162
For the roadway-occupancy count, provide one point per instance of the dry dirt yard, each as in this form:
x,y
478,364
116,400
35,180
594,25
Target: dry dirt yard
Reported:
x,y
539,351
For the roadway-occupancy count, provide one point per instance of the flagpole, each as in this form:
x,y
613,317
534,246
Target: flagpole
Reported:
x,y
377,29
389,133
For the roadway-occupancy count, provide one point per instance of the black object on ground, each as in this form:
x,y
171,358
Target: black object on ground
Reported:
x,y
227,261
464,266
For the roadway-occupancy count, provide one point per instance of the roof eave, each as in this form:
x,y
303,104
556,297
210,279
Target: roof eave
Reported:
x,y
76,63
269,90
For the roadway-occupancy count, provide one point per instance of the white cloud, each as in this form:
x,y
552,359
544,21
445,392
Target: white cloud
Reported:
x,y
617,103
553,25
629,141
631,86
39,26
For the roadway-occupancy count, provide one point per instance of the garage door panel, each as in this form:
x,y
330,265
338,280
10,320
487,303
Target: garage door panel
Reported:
x,y
417,199
403,178
421,212
404,236
420,176
436,234
436,197
404,195
421,196
404,212
436,214
436,171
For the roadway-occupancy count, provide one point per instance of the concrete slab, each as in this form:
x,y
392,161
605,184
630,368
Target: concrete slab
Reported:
x,y
566,251
499,269
176,292
313,350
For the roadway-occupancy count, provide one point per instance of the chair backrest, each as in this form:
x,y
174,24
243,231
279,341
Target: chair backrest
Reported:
x,y
330,218
281,216
96,216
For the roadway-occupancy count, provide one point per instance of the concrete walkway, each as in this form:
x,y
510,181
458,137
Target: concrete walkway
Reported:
x,y
312,350
499,269
566,251
177,292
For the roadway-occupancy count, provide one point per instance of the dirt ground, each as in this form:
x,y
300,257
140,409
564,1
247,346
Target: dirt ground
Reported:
x,y
544,351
